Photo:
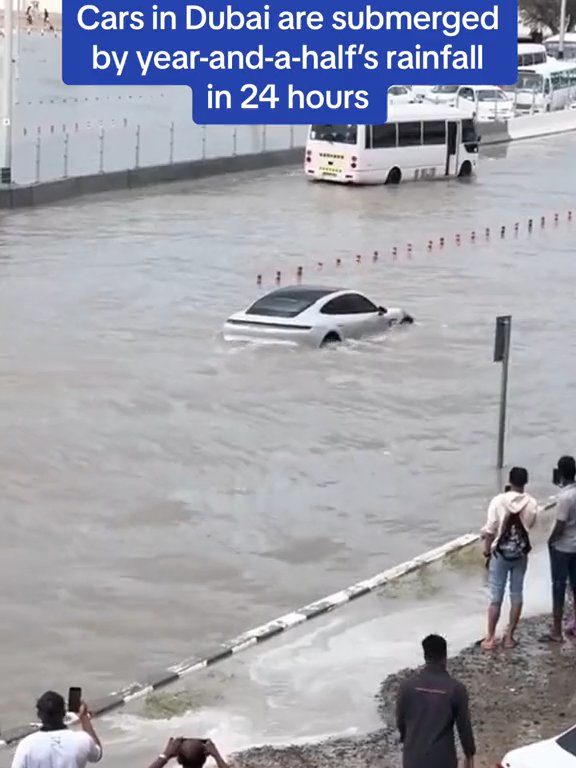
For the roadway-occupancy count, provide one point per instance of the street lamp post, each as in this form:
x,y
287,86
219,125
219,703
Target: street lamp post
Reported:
x,y
7,95
562,29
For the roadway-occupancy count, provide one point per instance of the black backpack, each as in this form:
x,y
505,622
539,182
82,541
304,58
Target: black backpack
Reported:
x,y
514,541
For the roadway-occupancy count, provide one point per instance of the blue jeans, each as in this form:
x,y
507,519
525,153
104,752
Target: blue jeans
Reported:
x,y
500,572
563,570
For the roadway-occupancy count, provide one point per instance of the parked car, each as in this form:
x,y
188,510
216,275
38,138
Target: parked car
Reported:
x,y
313,316
559,752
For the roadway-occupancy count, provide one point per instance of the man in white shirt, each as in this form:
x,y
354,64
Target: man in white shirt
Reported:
x,y
54,746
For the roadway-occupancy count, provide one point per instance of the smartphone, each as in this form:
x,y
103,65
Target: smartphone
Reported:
x,y
74,699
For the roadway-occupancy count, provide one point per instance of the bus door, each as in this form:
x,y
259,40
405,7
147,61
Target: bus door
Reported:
x,y
452,146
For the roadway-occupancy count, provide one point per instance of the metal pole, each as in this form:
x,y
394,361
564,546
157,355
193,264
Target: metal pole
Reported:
x,y
562,29
7,94
503,397
18,36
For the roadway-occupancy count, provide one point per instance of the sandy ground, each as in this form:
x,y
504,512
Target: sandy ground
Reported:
x,y
517,697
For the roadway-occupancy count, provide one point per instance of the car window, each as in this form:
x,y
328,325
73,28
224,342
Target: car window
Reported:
x,y
286,303
350,304
568,742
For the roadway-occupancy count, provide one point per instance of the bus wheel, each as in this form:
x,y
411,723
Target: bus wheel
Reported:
x,y
465,170
394,177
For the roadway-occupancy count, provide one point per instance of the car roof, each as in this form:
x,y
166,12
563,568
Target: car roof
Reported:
x,y
294,290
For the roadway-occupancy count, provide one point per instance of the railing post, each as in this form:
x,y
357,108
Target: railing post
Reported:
x,y
263,138
171,160
101,133
137,155
291,137
204,142
235,141
38,153
66,144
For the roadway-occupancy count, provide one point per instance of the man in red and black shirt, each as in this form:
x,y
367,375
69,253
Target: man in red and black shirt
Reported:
x,y
429,705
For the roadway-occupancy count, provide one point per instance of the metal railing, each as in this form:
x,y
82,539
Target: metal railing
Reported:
x,y
57,151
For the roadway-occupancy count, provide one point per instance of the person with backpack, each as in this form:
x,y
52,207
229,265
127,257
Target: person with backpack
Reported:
x,y
506,547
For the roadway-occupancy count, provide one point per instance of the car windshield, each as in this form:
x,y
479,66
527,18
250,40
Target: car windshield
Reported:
x,y
286,303
445,88
338,134
567,742
491,95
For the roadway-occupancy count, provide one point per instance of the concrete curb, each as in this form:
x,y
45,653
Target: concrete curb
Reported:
x,y
48,192
260,634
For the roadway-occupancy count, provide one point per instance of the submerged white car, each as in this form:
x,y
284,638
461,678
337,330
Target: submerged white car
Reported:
x,y
559,752
314,316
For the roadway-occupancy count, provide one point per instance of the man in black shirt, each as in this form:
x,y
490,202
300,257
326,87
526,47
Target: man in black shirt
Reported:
x,y
428,707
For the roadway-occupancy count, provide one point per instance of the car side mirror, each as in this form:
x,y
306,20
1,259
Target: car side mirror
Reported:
x,y
382,311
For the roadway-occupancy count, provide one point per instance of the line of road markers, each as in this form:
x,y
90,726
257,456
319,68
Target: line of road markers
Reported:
x,y
439,244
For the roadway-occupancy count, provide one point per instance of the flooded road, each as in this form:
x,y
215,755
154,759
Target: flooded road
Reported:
x,y
163,492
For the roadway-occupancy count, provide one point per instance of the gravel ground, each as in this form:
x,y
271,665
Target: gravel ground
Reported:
x,y
516,696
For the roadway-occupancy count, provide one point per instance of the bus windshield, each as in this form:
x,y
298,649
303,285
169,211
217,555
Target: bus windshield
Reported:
x,y
530,81
337,134
445,88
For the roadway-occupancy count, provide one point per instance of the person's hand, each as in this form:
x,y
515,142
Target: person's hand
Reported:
x,y
171,749
84,712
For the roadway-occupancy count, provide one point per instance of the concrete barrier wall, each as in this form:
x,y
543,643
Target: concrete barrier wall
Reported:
x,y
43,193
61,189
528,127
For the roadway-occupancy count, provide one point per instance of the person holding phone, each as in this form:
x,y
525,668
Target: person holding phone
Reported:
x,y
190,753
54,745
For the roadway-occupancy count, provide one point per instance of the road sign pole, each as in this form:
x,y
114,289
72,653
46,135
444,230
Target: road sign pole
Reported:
x,y
7,94
502,355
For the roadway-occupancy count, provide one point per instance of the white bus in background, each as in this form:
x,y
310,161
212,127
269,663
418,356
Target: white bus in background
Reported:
x,y
545,87
419,141
552,45
530,54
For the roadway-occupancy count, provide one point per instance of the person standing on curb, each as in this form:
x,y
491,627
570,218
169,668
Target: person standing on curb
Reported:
x,y
54,745
506,547
429,705
562,546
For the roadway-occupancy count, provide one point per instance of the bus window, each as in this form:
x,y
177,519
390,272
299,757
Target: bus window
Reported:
x,y
409,134
384,136
434,132
469,135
